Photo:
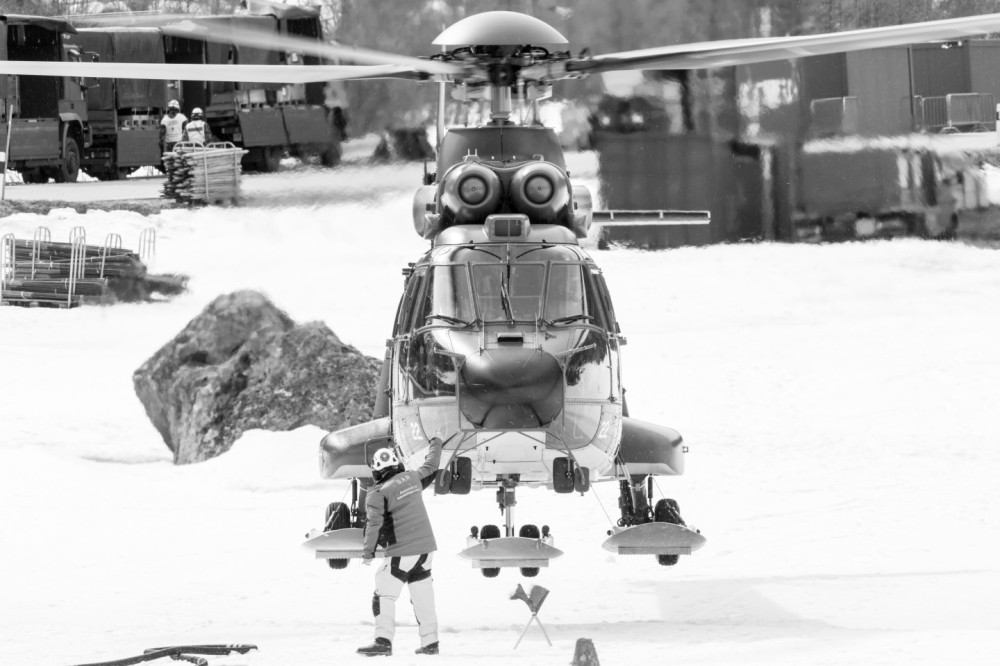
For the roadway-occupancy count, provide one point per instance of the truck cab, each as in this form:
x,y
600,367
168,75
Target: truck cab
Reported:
x,y
45,117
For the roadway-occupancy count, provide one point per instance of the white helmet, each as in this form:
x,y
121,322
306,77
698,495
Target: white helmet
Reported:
x,y
383,459
196,111
174,104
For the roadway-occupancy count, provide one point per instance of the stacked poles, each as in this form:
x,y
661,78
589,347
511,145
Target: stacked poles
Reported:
x,y
42,272
199,173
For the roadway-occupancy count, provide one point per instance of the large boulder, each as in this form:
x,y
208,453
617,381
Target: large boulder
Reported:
x,y
243,364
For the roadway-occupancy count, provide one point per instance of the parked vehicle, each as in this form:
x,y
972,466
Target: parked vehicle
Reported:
x,y
268,120
45,116
124,113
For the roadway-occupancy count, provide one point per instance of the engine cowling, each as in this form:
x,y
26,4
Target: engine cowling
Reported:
x,y
468,193
540,190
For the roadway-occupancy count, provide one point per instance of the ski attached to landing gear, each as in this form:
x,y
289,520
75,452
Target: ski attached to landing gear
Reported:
x,y
650,530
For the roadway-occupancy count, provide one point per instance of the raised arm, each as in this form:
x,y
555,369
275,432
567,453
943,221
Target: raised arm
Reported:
x,y
430,466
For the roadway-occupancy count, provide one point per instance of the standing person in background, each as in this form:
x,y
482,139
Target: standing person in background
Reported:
x,y
397,520
172,126
197,130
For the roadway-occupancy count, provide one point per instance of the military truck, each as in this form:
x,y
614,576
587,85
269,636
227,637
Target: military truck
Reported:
x,y
266,119
124,113
45,116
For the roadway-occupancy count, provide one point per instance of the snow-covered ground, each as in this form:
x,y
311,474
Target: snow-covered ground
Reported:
x,y
840,402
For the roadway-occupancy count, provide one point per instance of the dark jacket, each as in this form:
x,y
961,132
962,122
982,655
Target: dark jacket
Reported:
x,y
396,517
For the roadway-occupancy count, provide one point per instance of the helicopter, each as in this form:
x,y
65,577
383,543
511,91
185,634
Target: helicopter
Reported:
x,y
505,344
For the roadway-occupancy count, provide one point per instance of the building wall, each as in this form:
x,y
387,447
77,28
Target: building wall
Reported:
x,y
939,71
984,65
880,80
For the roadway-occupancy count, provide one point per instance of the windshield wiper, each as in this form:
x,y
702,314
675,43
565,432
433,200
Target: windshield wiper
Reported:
x,y
450,320
505,301
567,319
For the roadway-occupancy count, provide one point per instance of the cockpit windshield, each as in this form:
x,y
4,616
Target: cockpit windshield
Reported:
x,y
447,297
482,287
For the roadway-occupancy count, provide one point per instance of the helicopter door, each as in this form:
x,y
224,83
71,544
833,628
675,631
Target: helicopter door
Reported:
x,y
408,305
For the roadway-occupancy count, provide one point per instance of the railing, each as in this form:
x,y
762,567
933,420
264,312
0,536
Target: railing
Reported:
x,y
835,116
960,112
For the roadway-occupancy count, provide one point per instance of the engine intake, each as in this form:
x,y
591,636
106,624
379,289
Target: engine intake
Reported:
x,y
469,192
541,191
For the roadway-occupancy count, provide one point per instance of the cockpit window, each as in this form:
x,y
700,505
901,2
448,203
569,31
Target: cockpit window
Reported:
x,y
508,292
447,297
566,295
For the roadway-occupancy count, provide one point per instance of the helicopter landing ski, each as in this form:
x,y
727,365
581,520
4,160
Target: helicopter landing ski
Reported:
x,y
339,544
654,539
520,552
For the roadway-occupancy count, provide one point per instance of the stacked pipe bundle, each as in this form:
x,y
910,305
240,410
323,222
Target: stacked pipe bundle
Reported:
x,y
42,272
203,173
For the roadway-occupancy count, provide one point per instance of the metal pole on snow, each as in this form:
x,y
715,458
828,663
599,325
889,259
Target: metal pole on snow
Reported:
x,y
10,130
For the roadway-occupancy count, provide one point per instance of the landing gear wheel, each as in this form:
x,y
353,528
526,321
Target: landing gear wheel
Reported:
x,y
667,511
338,516
529,532
490,532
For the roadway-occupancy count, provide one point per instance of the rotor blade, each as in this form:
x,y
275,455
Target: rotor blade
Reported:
x,y
274,41
221,30
169,72
744,51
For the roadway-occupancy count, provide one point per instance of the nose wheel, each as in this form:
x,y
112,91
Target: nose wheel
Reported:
x,y
528,548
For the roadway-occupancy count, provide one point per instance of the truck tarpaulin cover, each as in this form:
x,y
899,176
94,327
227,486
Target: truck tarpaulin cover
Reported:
x,y
220,53
140,45
97,43
124,45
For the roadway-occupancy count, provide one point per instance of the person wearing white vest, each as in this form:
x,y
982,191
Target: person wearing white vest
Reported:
x,y
197,130
172,126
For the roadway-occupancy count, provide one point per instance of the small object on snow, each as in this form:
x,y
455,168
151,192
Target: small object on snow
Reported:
x,y
178,653
586,653
534,600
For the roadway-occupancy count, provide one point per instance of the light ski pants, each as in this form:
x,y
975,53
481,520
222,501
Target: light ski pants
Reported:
x,y
415,572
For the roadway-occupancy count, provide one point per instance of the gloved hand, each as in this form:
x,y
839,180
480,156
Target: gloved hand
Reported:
x,y
367,561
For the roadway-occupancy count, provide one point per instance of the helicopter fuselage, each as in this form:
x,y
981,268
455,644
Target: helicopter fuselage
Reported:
x,y
507,347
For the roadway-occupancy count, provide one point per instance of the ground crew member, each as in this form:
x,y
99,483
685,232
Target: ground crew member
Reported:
x,y
172,126
197,129
397,520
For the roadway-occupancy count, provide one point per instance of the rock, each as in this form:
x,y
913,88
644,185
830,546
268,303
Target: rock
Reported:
x,y
243,364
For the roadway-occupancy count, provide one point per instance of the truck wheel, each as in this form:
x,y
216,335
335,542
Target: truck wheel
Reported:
x,y
271,159
330,155
69,170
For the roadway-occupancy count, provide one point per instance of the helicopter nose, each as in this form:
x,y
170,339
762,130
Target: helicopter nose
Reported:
x,y
506,388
